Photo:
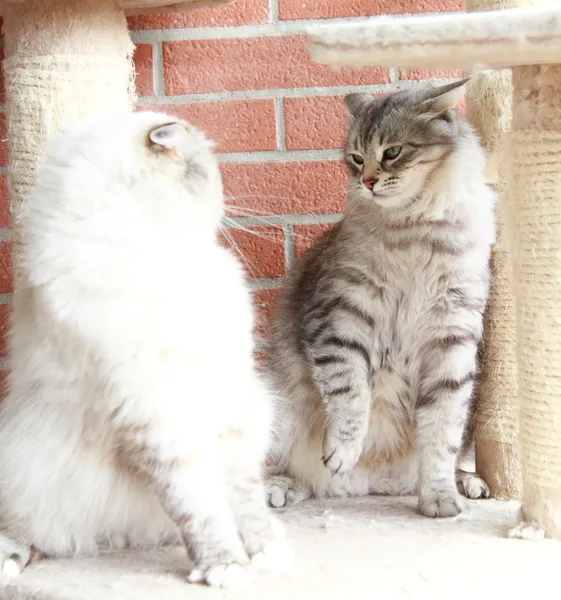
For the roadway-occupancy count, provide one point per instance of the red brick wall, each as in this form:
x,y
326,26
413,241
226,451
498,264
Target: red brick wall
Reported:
x,y
243,75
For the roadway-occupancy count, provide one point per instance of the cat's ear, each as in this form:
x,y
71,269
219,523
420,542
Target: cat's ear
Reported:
x,y
169,137
357,102
446,97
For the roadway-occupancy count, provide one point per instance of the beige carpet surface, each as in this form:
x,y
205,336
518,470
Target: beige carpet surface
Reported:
x,y
351,548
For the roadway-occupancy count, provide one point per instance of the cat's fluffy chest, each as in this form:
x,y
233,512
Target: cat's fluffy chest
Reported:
x,y
417,286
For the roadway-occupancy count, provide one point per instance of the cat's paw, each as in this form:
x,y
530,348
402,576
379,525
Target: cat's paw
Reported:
x,y
283,491
441,505
13,557
472,486
276,554
222,575
340,456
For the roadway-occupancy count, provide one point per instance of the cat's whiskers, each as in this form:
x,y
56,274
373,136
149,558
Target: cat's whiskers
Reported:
x,y
317,206
250,267
274,237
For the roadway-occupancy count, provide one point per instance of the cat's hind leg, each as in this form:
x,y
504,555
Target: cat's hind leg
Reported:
x,y
14,557
193,492
282,490
446,388
303,473
471,485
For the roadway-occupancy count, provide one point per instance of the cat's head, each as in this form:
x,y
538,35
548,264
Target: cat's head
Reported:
x,y
182,161
154,164
398,141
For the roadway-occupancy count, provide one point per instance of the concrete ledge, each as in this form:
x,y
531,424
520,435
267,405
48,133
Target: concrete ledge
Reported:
x,y
352,548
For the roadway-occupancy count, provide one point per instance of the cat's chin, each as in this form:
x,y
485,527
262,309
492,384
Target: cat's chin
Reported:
x,y
390,202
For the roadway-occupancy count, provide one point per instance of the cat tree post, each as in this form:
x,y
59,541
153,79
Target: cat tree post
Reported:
x,y
529,41
489,110
535,207
65,60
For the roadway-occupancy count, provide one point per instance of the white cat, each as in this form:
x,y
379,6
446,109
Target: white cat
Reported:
x,y
134,410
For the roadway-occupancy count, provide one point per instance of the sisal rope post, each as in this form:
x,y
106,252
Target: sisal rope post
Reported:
x,y
534,218
489,109
64,60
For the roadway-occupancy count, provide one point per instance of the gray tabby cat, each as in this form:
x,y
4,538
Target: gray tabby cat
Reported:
x,y
376,336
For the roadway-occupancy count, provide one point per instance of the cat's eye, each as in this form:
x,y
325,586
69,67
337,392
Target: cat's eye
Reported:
x,y
358,159
392,152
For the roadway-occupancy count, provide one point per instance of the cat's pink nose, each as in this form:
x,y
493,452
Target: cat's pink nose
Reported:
x,y
370,183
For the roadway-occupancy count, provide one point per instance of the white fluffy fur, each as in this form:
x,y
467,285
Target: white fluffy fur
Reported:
x,y
130,321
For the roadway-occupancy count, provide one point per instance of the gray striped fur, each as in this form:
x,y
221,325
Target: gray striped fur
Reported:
x,y
378,327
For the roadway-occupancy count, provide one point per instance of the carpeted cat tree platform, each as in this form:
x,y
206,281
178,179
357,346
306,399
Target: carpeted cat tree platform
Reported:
x,y
527,41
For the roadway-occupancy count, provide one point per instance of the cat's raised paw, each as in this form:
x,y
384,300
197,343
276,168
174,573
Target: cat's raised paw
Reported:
x,y
340,456
283,491
441,506
222,575
472,486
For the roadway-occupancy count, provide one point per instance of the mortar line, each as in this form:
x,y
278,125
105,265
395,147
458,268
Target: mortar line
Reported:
x,y
281,123
289,246
3,364
265,283
5,234
261,346
287,219
5,298
331,90
158,71
279,156
273,11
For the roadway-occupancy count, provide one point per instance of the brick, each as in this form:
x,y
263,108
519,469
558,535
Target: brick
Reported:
x,y
331,9
5,217
3,140
199,66
6,272
265,304
286,188
306,235
5,310
144,69
262,251
2,86
261,357
235,125
243,12
315,123
3,384
416,74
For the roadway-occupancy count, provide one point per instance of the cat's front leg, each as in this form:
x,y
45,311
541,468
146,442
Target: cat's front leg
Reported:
x,y
342,374
262,534
448,373
193,492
